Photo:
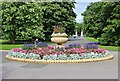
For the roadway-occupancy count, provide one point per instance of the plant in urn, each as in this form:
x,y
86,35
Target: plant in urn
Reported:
x,y
59,36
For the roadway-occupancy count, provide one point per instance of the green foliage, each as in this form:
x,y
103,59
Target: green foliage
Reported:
x,y
91,39
56,13
112,48
22,20
93,19
79,27
29,20
101,20
112,34
10,46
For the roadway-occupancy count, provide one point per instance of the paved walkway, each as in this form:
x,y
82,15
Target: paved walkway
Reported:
x,y
97,70
81,40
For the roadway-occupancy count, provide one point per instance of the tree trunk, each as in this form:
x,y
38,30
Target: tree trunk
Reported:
x,y
81,33
12,41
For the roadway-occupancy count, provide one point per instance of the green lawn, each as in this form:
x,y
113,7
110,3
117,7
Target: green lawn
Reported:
x,y
4,41
5,45
113,48
91,39
10,46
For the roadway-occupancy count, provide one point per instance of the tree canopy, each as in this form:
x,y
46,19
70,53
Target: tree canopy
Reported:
x,y
29,20
22,20
57,13
79,27
102,20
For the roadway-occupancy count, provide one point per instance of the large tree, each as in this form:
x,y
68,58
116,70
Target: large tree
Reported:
x,y
29,20
94,19
79,27
22,21
111,35
101,20
57,13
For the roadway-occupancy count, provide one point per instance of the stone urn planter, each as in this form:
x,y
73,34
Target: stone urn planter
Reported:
x,y
59,38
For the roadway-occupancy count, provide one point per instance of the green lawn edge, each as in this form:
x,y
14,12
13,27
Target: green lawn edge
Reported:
x,y
5,46
11,46
111,48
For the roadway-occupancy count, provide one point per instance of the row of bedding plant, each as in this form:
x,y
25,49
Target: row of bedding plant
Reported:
x,y
71,52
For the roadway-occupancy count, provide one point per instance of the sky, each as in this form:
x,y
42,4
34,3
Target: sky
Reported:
x,y
80,7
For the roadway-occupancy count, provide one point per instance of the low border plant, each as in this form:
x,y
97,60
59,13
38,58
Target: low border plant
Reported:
x,y
72,52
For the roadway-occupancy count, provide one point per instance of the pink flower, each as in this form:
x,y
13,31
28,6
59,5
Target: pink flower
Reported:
x,y
17,49
82,47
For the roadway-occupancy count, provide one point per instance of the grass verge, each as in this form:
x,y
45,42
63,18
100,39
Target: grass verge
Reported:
x,y
112,48
10,46
6,45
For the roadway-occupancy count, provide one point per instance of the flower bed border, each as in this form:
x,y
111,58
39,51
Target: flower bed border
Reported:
x,y
60,61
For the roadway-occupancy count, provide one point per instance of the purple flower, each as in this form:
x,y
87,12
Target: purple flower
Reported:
x,y
92,45
76,45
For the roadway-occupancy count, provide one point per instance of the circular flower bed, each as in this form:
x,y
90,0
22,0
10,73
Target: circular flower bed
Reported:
x,y
47,54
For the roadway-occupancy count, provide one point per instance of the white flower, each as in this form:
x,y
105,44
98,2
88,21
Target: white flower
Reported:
x,y
46,57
